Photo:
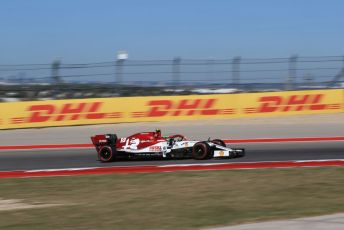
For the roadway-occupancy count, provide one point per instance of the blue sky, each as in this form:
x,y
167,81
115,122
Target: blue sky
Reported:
x,y
38,31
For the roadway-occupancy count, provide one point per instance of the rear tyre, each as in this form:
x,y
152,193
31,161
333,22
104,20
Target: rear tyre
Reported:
x,y
219,142
106,154
202,151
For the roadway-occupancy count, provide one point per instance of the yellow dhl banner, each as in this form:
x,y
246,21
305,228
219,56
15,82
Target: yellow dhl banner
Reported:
x,y
164,108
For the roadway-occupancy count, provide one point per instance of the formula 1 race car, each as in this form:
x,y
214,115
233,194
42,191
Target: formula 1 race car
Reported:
x,y
152,145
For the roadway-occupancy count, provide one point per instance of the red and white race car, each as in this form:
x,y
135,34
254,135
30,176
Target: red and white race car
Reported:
x,y
152,144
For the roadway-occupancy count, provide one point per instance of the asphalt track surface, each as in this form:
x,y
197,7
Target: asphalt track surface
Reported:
x,y
86,157
327,125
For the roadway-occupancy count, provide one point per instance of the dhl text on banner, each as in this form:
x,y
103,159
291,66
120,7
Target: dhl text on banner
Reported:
x,y
164,108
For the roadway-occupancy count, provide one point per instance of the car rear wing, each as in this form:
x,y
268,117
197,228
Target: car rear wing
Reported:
x,y
104,139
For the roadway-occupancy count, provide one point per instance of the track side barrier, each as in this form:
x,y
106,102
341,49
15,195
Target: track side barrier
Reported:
x,y
164,108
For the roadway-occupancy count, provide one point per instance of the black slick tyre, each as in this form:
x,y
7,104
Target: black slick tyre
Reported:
x,y
201,151
106,154
219,142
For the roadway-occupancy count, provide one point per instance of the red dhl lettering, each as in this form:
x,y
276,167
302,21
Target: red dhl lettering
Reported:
x,y
184,107
291,103
68,111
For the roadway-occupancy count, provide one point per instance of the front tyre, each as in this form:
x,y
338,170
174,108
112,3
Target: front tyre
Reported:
x,y
219,142
201,151
106,154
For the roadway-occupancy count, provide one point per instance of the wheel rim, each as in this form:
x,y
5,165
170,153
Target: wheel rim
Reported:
x,y
105,153
199,151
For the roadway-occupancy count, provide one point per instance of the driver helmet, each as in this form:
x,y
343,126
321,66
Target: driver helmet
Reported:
x,y
158,133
